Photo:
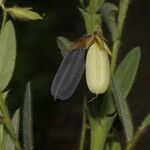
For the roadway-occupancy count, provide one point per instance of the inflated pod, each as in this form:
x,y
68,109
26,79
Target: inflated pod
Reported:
x,y
97,69
69,74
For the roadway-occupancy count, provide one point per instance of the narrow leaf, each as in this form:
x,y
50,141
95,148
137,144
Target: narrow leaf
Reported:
x,y
126,72
23,13
146,122
68,74
27,120
7,54
123,109
15,121
63,44
108,13
108,7
110,20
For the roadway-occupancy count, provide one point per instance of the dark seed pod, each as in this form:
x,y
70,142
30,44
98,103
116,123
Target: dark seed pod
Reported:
x,y
68,75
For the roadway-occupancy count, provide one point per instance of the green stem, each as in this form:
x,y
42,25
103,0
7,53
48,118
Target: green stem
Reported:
x,y
135,139
83,130
7,123
99,132
4,17
123,7
100,127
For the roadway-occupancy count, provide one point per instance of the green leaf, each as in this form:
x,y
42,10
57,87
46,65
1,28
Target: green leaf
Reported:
x,y
15,121
27,120
110,20
7,54
90,20
63,44
108,13
146,122
123,109
126,72
23,13
108,7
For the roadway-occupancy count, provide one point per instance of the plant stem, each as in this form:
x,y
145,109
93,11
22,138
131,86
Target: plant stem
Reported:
x,y
4,17
136,137
123,7
7,123
99,132
83,130
100,127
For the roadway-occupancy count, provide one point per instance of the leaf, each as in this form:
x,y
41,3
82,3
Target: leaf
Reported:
x,y
15,121
110,20
7,54
27,120
146,122
108,7
63,44
126,72
109,17
123,109
90,20
5,95
23,13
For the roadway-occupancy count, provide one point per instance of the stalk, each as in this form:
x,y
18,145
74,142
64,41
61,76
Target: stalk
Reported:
x,y
100,127
7,123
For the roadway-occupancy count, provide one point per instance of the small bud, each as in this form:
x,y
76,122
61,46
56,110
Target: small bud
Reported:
x,y
23,13
97,69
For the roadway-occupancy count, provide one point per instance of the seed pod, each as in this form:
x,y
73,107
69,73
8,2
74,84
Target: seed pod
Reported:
x,y
68,74
97,69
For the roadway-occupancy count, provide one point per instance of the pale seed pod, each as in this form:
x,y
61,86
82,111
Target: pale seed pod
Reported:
x,y
97,69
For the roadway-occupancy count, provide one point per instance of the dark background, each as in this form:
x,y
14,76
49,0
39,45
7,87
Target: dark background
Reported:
x,y
57,124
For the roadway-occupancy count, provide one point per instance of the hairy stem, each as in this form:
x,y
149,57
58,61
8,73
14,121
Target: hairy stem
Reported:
x,y
135,139
100,127
123,7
